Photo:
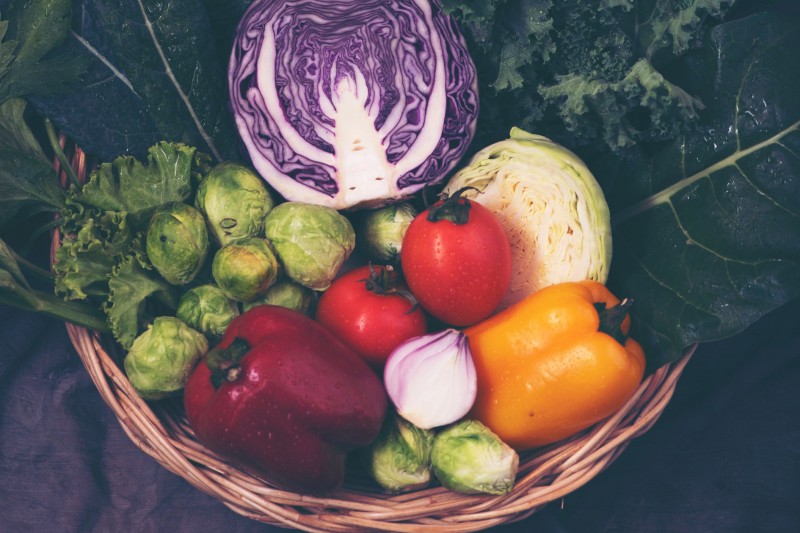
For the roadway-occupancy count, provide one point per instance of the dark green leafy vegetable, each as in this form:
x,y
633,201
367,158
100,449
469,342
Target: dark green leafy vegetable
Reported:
x,y
27,179
86,258
15,290
586,74
33,29
709,238
102,254
161,61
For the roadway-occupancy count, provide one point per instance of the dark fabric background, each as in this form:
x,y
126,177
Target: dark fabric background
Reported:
x,y
725,456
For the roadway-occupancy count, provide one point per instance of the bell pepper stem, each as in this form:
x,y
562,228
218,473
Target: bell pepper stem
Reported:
x,y
611,318
224,362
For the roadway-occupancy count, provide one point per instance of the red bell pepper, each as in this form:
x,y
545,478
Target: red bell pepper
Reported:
x,y
281,395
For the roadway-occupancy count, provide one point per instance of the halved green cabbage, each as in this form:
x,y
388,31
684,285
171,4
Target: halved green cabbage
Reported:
x,y
556,217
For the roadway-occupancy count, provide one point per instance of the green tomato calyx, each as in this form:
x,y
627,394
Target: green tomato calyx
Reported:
x,y
385,281
454,208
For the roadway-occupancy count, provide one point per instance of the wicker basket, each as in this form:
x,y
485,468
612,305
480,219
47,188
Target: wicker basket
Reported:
x,y
160,429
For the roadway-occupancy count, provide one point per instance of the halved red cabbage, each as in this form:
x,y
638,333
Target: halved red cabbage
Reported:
x,y
352,103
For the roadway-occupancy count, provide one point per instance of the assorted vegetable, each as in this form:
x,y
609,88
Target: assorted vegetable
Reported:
x,y
468,458
245,268
161,359
206,309
552,209
399,460
288,294
554,364
380,232
457,260
312,241
282,395
690,126
431,379
177,242
235,201
371,310
352,103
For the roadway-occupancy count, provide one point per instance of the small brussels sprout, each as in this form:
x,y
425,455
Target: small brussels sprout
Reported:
x,y
312,242
286,293
207,309
177,242
235,201
400,458
245,269
468,458
162,357
381,232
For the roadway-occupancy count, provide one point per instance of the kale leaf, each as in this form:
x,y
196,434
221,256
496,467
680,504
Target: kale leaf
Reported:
x,y
593,76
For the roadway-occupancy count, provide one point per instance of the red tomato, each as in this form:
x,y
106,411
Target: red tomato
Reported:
x,y
368,314
457,261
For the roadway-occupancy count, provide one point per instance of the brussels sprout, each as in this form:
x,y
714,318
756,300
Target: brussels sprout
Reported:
x,y
235,201
381,232
312,242
177,242
162,357
286,293
245,269
207,309
552,208
399,459
468,458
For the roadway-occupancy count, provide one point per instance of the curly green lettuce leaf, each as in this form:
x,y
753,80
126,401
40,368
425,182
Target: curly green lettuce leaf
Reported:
x,y
139,188
85,261
137,295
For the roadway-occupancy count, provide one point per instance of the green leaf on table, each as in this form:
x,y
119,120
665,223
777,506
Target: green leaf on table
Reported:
x,y
9,264
15,291
165,54
135,290
27,178
33,29
709,240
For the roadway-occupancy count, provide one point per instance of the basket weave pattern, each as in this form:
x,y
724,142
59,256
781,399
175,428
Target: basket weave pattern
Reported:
x,y
161,430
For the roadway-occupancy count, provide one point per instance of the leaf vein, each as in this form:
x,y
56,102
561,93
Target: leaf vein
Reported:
x,y
181,93
664,195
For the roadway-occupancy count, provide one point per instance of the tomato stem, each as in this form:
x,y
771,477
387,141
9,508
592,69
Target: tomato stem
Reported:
x,y
385,281
454,208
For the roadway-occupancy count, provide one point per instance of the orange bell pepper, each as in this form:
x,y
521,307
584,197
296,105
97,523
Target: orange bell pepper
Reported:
x,y
554,364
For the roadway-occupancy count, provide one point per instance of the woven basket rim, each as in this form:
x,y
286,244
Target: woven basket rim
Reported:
x,y
160,430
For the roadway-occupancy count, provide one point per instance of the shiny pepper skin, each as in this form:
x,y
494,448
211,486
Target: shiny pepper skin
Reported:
x,y
291,403
545,372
